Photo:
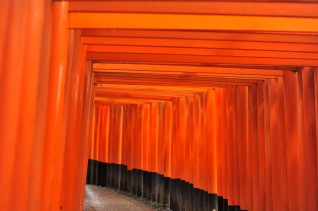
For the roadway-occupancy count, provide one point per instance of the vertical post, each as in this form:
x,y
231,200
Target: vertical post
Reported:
x,y
167,132
212,145
261,145
219,143
21,102
294,137
12,61
55,139
274,144
310,133
253,196
145,132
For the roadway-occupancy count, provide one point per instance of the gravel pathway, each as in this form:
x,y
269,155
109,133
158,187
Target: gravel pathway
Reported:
x,y
105,199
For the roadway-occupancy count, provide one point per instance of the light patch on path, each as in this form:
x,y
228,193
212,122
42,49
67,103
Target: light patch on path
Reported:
x,y
103,199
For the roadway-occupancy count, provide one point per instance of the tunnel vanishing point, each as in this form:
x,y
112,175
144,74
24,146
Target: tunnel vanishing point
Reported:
x,y
195,105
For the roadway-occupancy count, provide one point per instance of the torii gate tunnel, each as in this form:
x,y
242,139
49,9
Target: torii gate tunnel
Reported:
x,y
195,105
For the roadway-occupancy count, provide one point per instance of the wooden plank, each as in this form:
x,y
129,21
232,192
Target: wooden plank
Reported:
x,y
191,22
108,67
203,35
201,52
203,43
197,60
199,7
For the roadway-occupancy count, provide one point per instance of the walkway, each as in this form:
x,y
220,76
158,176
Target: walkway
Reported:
x,y
104,199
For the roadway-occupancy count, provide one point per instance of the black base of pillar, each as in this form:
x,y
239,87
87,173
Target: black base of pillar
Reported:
x,y
174,194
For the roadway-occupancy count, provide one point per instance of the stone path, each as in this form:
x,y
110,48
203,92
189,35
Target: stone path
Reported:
x,y
104,199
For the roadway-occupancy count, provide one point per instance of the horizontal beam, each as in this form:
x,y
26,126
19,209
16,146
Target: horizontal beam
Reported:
x,y
213,44
165,93
110,100
135,95
141,94
201,52
172,78
165,82
191,22
103,67
177,76
144,75
198,60
202,35
199,7
150,88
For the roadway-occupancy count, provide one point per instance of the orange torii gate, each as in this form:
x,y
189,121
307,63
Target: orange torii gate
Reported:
x,y
196,105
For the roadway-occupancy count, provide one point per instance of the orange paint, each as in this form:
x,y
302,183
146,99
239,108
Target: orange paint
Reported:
x,y
221,95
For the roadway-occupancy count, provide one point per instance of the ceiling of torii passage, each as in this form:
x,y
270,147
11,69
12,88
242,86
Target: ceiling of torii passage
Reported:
x,y
194,44
209,15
